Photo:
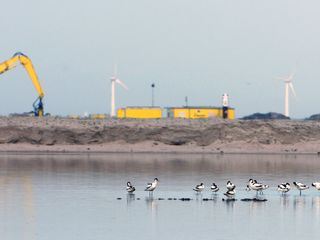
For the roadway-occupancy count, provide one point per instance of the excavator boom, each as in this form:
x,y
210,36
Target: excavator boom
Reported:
x,y
26,62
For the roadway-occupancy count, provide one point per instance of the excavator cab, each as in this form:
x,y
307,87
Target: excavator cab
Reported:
x,y
38,107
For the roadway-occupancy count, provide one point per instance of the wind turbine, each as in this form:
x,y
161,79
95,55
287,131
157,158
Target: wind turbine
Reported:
x,y
114,80
288,85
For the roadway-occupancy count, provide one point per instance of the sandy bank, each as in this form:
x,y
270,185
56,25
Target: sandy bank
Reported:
x,y
165,135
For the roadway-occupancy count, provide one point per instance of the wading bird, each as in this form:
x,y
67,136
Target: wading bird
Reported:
x,y
199,187
214,188
130,188
230,193
258,187
152,186
300,186
284,187
316,185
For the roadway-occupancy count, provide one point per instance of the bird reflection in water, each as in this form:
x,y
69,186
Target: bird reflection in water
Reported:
x,y
214,197
316,205
198,196
284,200
152,205
230,204
299,202
130,198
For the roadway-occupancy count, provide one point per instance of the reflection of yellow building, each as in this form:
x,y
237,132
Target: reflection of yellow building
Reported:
x,y
198,112
140,112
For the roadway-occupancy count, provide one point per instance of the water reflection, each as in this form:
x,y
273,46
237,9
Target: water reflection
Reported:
x,y
11,201
152,205
316,205
42,195
214,197
251,165
230,204
254,206
198,196
284,200
299,202
130,198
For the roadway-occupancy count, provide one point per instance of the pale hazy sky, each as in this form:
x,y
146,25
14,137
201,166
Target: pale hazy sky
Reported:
x,y
194,48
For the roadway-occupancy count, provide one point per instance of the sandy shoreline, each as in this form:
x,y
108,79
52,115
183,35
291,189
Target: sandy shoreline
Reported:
x,y
147,147
212,136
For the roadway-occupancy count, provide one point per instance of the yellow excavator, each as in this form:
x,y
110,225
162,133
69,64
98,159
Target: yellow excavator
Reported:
x,y
26,62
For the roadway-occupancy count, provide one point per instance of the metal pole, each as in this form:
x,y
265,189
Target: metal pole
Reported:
x,y
152,88
113,108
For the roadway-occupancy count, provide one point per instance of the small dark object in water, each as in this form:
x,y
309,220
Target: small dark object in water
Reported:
x,y
205,199
259,200
119,198
174,199
229,200
246,199
253,200
160,198
170,198
138,198
185,199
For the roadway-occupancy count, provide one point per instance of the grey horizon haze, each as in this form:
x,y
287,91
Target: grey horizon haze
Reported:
x,y
200,49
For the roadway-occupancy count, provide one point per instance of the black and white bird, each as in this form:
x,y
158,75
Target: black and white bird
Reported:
x,y
130,188
258,187
230,186
265,186
300,186
284,187
230,193
214,188
316,185
152,186
199,187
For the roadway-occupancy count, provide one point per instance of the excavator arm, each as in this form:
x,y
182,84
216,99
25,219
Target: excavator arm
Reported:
x,y
26,62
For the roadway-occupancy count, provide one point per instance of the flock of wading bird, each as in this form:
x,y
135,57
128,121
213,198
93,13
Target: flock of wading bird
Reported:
x,y
253,185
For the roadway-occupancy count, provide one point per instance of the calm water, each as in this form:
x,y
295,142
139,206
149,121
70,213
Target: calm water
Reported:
x,y
75,197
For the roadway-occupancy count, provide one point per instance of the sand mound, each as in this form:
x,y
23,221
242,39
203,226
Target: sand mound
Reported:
x,y
165,132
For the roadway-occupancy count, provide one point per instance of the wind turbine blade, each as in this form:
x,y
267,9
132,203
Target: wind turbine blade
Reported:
x,y
115,70
121,84
294,70
292,89
290,77
281,78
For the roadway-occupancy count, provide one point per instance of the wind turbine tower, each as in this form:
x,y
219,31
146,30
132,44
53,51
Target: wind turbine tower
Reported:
x,y
288,85
114,80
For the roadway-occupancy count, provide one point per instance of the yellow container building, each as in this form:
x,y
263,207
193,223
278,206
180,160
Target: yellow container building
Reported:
x,y
198,112
140,112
